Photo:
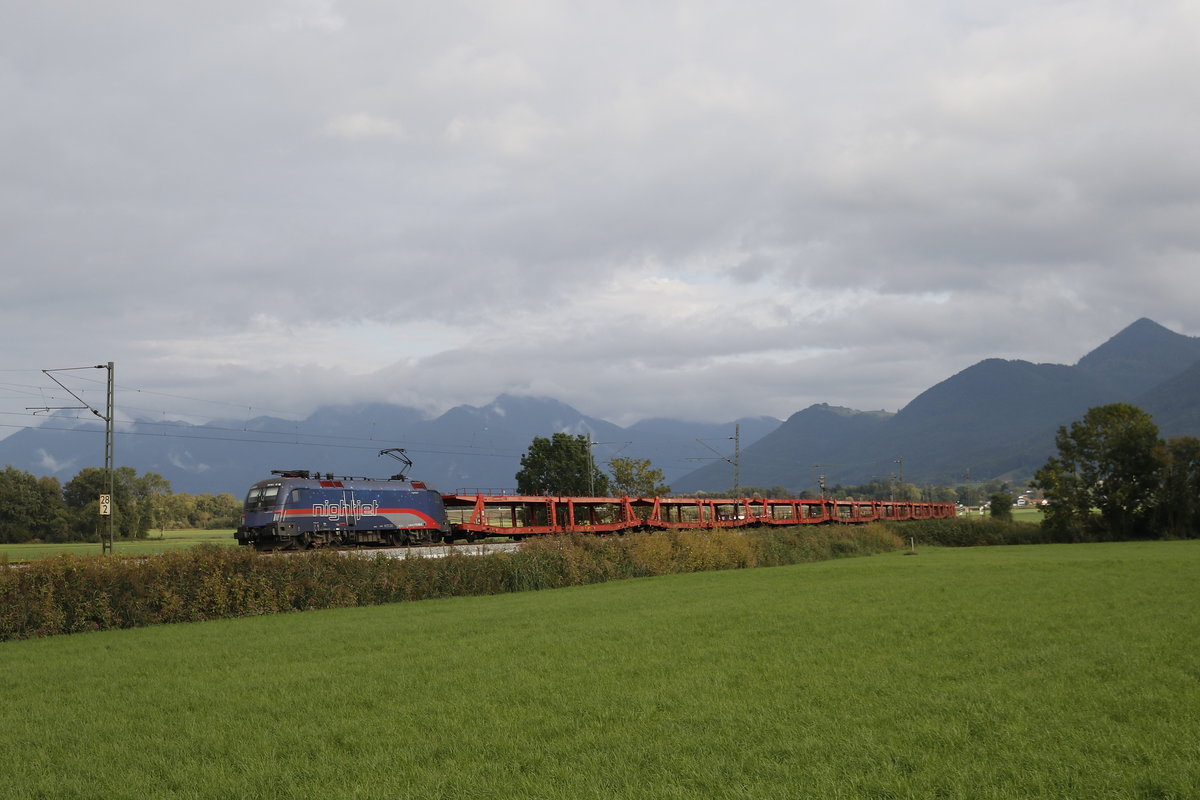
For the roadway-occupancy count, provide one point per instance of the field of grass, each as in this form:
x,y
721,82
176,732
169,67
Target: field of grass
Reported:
x,y
1027,514
1013,672
1019,514
157,542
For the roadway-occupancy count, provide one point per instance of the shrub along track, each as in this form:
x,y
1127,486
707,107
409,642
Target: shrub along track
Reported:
x,y
72,594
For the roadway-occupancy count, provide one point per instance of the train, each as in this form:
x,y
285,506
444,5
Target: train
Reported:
x,y
299,509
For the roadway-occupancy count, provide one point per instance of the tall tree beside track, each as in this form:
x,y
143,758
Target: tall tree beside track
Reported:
x,y
1106,463
636,477
561,465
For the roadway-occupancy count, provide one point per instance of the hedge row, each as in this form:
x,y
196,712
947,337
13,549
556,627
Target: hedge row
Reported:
x,y
70,594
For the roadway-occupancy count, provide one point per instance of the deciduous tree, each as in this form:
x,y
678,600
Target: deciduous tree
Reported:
x,y
1104,479
636,477
560,465
1000,506
30,507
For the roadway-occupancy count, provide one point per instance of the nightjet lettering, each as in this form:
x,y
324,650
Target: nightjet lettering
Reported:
x,y
353,509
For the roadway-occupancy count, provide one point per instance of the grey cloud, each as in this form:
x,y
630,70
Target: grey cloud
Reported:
x,y
844,206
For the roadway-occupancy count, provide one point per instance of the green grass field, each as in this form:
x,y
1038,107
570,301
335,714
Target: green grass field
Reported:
x,y
157,542
1048,671
1019,514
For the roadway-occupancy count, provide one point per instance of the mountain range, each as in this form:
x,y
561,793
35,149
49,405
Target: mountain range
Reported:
x,y
996,418
466,448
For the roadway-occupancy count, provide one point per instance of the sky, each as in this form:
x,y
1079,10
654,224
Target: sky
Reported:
x,y
701,210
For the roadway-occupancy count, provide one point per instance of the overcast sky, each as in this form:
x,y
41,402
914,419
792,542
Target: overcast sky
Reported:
x,y
691,209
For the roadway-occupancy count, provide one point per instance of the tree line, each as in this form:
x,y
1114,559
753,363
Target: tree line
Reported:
x,y
36,508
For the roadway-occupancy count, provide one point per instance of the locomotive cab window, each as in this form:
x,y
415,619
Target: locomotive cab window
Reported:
x,y
262,498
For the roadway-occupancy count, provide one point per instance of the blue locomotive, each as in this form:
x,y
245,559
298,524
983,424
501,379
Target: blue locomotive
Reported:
x,y
296,510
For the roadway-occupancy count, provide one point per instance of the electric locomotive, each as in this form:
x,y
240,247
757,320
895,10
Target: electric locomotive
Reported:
x,y
298,509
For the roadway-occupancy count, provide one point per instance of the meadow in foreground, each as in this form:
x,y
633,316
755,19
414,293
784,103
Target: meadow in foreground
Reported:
x,y
1047,671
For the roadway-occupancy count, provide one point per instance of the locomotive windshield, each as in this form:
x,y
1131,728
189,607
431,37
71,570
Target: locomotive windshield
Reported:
x,y
262,498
